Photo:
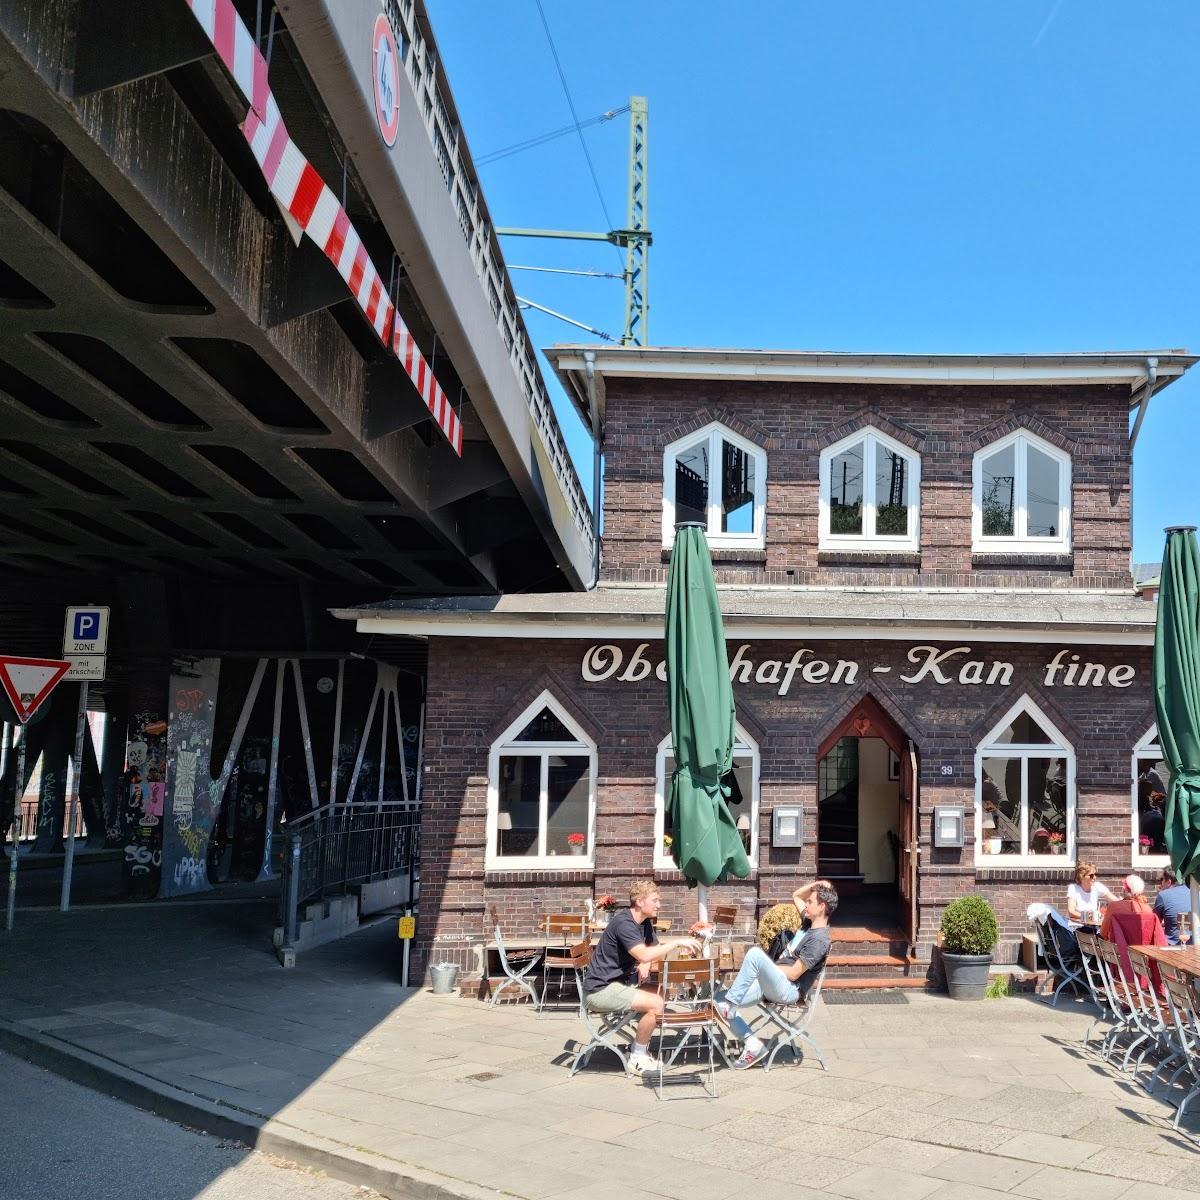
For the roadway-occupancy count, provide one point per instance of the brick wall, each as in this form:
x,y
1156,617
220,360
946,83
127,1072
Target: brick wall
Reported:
x,y
477,687
946,425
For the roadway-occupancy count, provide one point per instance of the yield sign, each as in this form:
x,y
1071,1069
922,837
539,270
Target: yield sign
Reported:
x,y
28,681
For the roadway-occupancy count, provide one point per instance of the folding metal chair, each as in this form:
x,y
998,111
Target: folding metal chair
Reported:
x,y
687,986
1120,1003
1061,955
791,1021
605,1031
517,968
1163,1043
560,961
1093,976
1181,995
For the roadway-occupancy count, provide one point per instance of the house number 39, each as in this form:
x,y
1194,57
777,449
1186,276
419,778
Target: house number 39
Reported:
x,y
947,769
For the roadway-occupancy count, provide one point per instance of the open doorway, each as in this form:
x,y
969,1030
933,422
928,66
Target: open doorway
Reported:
x,y
866,826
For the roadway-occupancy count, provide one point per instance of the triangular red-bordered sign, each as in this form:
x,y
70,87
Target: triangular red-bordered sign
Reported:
x,y
28,681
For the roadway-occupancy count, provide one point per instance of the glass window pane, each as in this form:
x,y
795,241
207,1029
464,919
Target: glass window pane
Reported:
x,y
1153,779
737,489
567,787
1001,832
545,727
1024,731
891,492
1047,806
741,797
846,490
999,477
668,771
517,811
691,484
1042,484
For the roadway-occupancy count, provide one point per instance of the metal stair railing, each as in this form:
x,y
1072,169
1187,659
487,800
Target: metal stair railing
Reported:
x,y
339,846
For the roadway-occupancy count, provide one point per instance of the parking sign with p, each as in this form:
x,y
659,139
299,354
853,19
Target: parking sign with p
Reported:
x,y
86,630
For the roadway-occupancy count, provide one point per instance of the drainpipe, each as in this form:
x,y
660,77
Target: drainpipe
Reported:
x,y
589,370
1147,392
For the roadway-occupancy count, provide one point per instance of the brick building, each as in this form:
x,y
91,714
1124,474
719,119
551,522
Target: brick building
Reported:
x,y
924,568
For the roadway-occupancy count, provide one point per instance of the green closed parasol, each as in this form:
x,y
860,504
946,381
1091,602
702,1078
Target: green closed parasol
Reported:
x,y
705,842
1177,697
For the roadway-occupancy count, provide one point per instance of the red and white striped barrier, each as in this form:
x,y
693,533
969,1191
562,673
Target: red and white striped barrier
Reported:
x,y
305,197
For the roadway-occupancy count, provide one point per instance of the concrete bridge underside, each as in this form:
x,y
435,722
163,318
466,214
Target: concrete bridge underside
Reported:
x,y
183,390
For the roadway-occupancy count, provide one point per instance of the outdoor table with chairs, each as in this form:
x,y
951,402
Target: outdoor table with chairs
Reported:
x,y
1149,1001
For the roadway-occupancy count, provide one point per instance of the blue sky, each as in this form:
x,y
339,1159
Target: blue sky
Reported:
x,y
942,176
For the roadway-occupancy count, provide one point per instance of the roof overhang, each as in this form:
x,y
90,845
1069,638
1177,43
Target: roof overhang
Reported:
x,y
1127,368
769,614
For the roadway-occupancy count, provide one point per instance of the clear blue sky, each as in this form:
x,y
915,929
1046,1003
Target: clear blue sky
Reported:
x,y
938,176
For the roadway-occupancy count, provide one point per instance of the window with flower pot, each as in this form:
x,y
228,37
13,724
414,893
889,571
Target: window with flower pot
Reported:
x,y
742,800
870,488
1024,792
541,792
719,479
1151,778
1021,497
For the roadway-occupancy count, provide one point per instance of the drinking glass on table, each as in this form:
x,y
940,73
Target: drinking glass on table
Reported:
x,y
1185,928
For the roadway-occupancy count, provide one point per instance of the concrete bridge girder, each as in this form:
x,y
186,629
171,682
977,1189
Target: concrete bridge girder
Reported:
x,y
241,262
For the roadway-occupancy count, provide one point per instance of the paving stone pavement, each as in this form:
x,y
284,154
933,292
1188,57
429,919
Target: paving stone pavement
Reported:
x,y
924,1099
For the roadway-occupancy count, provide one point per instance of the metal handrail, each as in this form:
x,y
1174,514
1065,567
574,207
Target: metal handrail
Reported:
x,y
339,846
454,160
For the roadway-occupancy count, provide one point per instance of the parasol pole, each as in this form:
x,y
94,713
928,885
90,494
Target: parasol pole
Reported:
x,y
702,902
1195,907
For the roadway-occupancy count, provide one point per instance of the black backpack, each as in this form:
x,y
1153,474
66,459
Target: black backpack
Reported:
x,y
779,944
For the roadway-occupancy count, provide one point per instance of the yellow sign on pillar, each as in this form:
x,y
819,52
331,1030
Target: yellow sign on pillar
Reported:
x,y
408,927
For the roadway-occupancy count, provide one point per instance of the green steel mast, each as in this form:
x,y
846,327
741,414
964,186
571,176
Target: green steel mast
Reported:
x,y
637,235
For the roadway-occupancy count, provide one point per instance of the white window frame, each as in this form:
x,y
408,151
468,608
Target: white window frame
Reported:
x,y
1147,745
1058,748
743,746
869,539
506,746
715,433
1019,541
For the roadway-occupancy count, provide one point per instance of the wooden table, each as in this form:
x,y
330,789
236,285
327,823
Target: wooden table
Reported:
x,y
1183,958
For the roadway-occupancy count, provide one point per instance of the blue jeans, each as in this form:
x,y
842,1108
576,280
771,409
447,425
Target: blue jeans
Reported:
x,y
757,979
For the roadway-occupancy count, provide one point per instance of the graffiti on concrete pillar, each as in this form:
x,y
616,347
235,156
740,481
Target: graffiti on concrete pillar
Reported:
x,y
144,791
191,810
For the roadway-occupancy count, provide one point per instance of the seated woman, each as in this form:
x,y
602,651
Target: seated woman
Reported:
x,y
1084,896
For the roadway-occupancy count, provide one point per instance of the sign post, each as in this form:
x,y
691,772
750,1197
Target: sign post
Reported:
x,y
85,639
64,903
11,910
26,682
406,930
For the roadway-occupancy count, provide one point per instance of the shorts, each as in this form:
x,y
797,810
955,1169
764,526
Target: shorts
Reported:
x,y
611,998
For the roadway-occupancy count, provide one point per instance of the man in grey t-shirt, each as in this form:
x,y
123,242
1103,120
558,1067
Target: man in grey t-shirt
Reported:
x,y
788,980
621,962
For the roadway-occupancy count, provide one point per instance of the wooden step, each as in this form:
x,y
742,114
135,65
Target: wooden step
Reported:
x,y
908,982
863,933
875,966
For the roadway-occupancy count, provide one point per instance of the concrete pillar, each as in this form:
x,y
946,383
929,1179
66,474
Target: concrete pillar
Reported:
x,y
145,783
112,768
56,750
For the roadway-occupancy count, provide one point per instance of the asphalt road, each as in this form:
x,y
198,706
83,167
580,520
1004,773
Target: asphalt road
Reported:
x,y
60,1139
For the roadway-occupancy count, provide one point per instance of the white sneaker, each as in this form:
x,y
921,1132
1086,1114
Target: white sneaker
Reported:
x,y
724,1010
644,1064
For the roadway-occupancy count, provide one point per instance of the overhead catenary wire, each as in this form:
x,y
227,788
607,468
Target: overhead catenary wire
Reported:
x,y
542,138
575,117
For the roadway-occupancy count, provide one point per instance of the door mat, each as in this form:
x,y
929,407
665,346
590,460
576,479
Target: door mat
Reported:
x,y
879,996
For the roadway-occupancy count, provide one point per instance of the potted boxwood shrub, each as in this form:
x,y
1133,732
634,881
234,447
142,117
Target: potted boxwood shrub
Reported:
x,y
969,931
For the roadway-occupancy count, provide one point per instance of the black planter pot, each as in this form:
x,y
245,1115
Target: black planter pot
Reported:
x,y
966,975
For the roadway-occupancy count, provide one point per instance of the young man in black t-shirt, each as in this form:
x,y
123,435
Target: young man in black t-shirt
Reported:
x,y
621,961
